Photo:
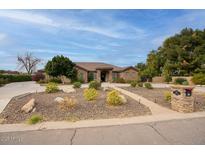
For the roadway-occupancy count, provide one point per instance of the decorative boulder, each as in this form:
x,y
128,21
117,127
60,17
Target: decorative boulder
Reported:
x,y
28,107
124,100
106,89
59,99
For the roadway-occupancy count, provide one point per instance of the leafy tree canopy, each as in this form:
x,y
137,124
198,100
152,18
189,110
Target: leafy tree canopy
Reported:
x,y
60,65
181,54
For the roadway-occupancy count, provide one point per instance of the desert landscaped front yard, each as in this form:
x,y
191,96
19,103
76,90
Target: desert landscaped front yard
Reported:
x,y
157,95
50,110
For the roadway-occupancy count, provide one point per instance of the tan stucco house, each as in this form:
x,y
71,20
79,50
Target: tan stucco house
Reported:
x,y
103,72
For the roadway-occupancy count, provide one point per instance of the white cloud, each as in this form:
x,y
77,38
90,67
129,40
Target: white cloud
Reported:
x,y
108,27
2,36
28,17
159,40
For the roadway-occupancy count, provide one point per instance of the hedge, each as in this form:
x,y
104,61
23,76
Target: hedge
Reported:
x,y
15,78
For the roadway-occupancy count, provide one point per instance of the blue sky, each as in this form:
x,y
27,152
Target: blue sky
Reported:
x,y
119,37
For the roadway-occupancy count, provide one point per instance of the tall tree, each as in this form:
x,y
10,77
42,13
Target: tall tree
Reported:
x,y
181,54
28,62
61,66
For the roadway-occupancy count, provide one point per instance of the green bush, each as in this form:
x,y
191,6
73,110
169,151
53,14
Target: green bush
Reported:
x,y
52,87
94,84
3,81
90,94
180,81
15,78
119,80
133,83
42,81
167,96
199,78
113,98
76,84
148,85
185,83
140,84
55,80
35,119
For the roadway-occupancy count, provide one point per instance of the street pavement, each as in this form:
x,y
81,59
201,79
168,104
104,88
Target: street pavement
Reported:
x,y
188,131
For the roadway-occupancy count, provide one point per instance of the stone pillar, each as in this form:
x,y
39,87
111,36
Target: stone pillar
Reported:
x,y
98,76
182,99
86,77
110,76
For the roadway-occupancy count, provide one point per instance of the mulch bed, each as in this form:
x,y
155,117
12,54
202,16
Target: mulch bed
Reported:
x,y
157,95
49,109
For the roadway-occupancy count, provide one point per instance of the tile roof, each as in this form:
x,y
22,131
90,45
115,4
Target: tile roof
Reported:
x,y
92,66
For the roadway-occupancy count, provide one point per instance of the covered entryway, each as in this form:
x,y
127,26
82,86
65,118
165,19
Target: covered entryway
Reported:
x,y
104,74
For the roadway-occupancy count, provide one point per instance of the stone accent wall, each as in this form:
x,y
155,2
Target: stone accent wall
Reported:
x,y
129,74
181,102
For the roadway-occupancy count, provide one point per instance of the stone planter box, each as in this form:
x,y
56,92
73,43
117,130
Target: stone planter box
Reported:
x,y
182,99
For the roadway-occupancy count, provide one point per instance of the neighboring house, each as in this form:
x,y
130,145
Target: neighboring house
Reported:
x,y
103,72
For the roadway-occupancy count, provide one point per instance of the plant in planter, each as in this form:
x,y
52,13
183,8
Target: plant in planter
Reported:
x,y
90,94
52,87
180,81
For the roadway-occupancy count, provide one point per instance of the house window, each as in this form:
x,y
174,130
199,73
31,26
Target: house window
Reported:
x,y
91,76
114,75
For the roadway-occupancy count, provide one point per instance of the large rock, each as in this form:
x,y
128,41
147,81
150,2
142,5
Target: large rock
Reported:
x,y
28,107
124,100
59,99
106,88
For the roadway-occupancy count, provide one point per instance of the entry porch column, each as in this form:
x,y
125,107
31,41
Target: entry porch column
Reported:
x,y
98,78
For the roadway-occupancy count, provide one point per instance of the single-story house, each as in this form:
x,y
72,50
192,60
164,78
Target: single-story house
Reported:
x,y
103,72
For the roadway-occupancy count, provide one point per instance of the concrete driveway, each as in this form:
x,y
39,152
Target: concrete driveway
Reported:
x,y
18,88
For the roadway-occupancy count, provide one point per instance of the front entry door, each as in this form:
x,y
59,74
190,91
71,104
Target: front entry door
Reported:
x,y
103,76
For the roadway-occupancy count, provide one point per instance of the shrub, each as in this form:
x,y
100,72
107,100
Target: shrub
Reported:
x,y
180,80
3,81
15,78
42,81
55,80
90,94
140,84
51,87
119,80
94,84
133,83
199,78
72,118
167,96
35,119
68,103
76,84
148,85
113,98
185,83
38,76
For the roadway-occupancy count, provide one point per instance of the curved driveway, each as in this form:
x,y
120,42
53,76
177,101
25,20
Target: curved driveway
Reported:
x,y
18,88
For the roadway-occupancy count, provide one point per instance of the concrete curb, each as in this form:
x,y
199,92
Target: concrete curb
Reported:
x,y
98,123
